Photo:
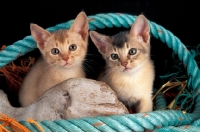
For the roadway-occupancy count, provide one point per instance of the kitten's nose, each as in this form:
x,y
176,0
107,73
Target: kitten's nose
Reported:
x,y
124,63
66,58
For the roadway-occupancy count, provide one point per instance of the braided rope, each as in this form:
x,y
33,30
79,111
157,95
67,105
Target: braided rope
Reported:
x,y
179,48
158,120
160,102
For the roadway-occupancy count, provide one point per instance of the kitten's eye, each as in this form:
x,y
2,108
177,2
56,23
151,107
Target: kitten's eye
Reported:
x,y
55,51
132,51
114,56
72,47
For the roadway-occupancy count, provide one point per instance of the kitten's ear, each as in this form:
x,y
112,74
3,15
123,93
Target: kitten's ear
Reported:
x,y
40,35
80,25
100,41
141,28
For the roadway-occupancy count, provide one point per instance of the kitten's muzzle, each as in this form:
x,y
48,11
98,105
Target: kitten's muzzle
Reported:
x,y
124,64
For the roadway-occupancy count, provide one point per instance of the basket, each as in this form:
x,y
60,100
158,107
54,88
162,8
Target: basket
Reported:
x,y
157,120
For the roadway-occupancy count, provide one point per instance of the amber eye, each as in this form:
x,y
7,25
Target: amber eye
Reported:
x,y
72,47
114,56
132,51
55,51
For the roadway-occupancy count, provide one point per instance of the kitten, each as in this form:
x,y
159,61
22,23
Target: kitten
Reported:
x,y
129,70
63,52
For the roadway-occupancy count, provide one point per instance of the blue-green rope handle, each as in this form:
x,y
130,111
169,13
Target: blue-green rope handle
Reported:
x,y
128,122
157,121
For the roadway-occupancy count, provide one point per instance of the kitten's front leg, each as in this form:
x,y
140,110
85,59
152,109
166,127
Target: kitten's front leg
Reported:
x,y
145,105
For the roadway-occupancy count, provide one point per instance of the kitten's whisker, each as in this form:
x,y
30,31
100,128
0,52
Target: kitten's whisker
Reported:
x,y
108,74
48,68
92,55
86,69
46,73
90,61
89,69
86,66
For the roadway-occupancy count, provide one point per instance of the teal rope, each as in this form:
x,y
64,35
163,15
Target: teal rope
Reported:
x,y
186,128
158,120
17,49
197,106
196,123
184,55
160,102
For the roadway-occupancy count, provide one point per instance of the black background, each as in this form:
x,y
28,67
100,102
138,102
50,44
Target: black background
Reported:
x,y
179,17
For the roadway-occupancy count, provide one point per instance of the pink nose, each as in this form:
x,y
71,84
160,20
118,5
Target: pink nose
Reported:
x,y
124,64
66,59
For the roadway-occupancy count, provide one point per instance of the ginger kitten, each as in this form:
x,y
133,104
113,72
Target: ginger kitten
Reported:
x,y
129,69
63,52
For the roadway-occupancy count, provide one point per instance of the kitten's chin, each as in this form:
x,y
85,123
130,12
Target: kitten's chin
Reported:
x,y
67,65
127,70
70,65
